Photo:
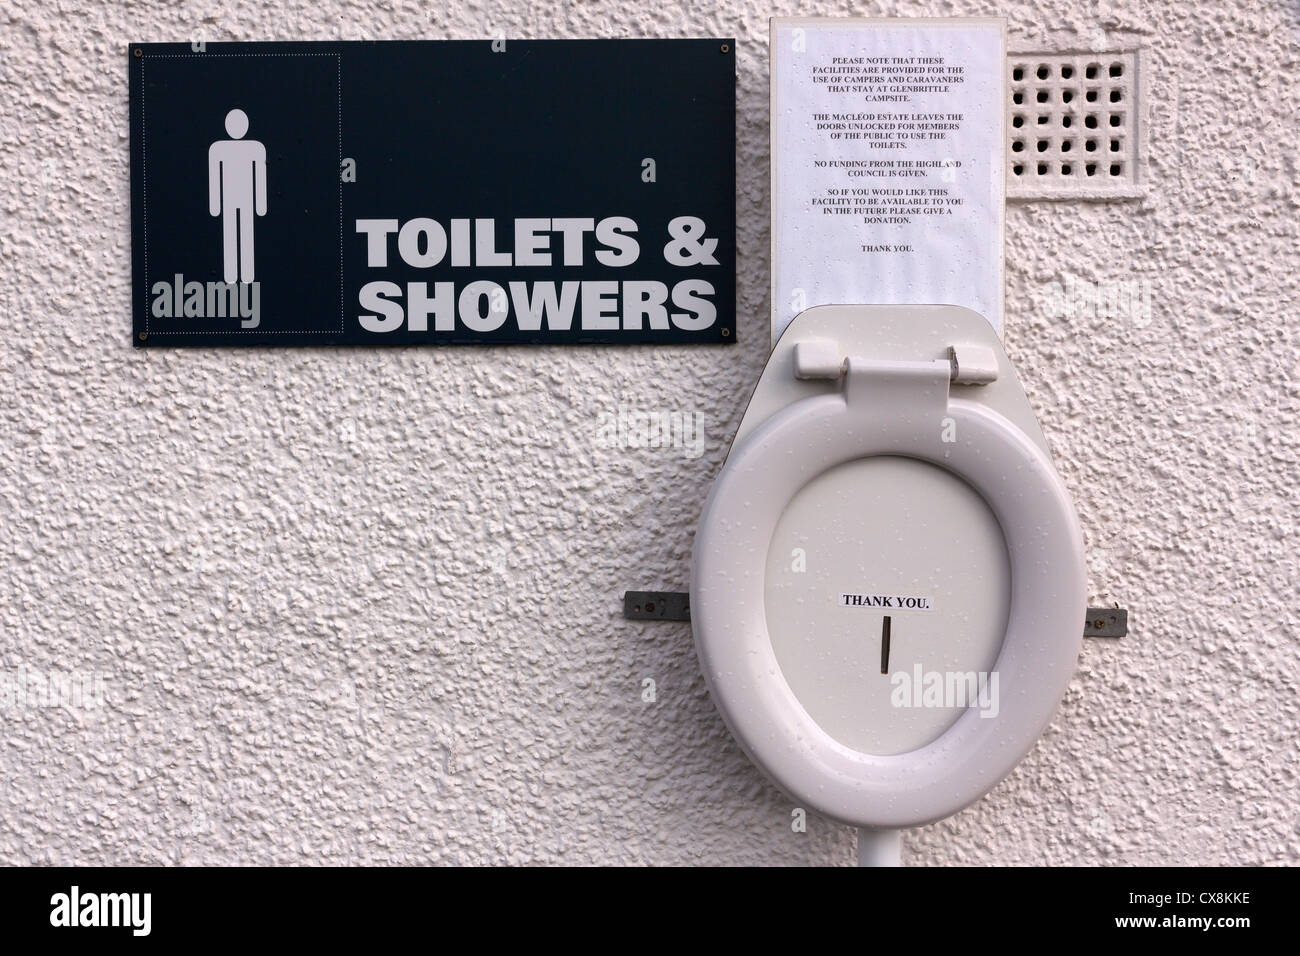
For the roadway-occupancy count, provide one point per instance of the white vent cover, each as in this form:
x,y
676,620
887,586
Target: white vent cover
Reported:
x,y
1074,125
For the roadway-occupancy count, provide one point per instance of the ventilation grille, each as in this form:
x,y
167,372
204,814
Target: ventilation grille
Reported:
x,y
1072,122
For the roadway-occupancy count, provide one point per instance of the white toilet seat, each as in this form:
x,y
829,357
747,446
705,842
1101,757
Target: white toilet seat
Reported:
x,y
896,408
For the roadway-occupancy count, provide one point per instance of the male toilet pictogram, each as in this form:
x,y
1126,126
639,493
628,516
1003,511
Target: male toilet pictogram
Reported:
x,y
237,191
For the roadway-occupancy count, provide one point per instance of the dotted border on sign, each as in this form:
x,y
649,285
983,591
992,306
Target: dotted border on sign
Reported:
x,y
144,196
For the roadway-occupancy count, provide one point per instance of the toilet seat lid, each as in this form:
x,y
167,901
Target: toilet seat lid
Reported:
x,y
887,408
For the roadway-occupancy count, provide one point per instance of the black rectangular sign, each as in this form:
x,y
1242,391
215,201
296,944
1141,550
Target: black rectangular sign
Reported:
x,y
433,192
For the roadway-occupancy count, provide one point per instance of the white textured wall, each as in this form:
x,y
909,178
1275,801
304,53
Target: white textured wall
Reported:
x,y
364,606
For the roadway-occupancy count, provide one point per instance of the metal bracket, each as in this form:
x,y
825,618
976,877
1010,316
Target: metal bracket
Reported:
x,y
1106,622
676,606
657,605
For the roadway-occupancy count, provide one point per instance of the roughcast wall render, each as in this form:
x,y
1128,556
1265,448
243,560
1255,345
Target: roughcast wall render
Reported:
x,y
356,606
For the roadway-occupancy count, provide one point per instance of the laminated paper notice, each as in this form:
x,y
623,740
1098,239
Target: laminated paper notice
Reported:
x,y
887,164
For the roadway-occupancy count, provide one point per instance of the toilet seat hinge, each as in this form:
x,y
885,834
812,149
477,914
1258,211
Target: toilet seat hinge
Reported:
x,y
898,388
820,359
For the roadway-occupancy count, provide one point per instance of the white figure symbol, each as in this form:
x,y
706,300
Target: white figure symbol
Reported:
x,y
236,190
